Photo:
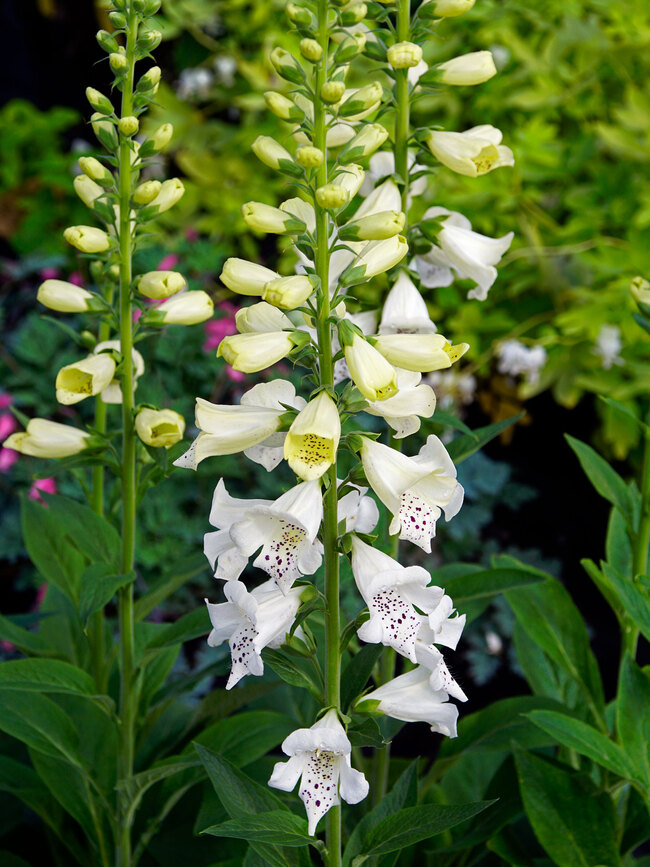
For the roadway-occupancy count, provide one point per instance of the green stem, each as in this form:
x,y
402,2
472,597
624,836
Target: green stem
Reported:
x,y
402,104
642,541
125,595
326,371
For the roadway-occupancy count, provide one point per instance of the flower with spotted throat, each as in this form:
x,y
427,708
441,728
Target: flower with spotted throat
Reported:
x,y
422,353
474,152
372,374
402,411
320,758
313,438
250,622
414,489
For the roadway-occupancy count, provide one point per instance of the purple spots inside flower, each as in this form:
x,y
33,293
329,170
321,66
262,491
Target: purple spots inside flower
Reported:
x,y
279,557
311,451
418,520
400,622
319,784
244,657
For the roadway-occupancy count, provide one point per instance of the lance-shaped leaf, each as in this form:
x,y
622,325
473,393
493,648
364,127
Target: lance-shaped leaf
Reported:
x,y
605,480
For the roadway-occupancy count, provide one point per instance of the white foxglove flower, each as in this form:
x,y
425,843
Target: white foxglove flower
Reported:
x,y
414,490
320,759
429,657
48,439
261,317
414,400
222,553
422,353
473,152
249,622
405,310
471,255
517,359
84,378
113,392
359,512
410,698
608,346
227,429
313,438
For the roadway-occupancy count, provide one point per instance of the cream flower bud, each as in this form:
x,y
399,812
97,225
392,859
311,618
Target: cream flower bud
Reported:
x,y
88,239
309,157
48,439
473,152
105,131
332,92
288,292
246,278
273,155
473,68
366,99
366,142
376,227
419,352
404,55
161,284
98,101
118,62
150,80
171,192
299,14
350,46
261,317
159,427
640,291
87,190
188,308
311,50
375,258
84,378
375,377
128,125
96,171
146,192
302,210
161,137
447,8
250,353
265,218
350,178
353,14
313,438
332,196
282,107
287,66
64,297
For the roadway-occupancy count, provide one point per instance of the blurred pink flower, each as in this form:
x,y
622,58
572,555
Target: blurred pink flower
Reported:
x,y
216,329
46,485
5,399
192,235
168,262
50,273
8,425
136,315
8,458
76,278
235,375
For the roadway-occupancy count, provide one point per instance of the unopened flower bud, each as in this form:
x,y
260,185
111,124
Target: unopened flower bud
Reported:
x,y
160,428
288,292
265,218
332,92
188,308
250,353
287,66
171,192
98,101
105,131
353,14
332,196
88,239
151,7
118,62
246,278
150,79
445,8
146,192
375,377
85,378
350,178
87,190
48,439
149,40
640,291
311,50
129,125
117,19
299,15
64,297
468,69
404,55
375,227
107,41
157,141
96,171
349,48
273,155
161,284
309,157
365,99
283,107
375,258
261,317
366,142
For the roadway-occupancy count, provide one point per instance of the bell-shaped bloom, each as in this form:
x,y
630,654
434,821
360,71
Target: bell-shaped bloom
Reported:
x,y
474,68
375,258
414,489
414,400
385,197
249,622
410,698
313,438
253,352
65,297
113,392
159,427
422,353
84,378
469,254
372,374
261,317
48,439
320,759
246,278
405,310
359,512
226,429
186,308
473,152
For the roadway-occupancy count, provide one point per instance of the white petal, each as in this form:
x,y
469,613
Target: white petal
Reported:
x,y
286,774
268,453
319,785
353,786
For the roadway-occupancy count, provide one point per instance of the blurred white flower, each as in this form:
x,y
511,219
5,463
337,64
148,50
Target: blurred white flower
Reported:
x,y
195,83
609,345
517,359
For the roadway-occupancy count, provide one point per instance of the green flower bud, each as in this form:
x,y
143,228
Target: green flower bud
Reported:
x,y
151,7
640,291
129,125
309,157
157,141
349,48
283,107
287,66
96,171
150,80
98,101
299,15
88,239
273,155
332,92
105,131
364,100
117,20
332,196
138,5
311,50
146,192
353,14
149,40
118,63
107,41
404,55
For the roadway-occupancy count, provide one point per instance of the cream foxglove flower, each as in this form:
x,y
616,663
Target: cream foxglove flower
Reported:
x,y
313,438
375,258
374,227
186,308
468,69
320,759
113,392
473,152
161,284
288,292
265,218
65,297
249,622
449,8
414,400
246,278
261,317
410,698
366,142
253,352
84,378
422,353
414,490
302,211
385,197
48,439
226,429
87,239
159,427
372,374
405,310
469,254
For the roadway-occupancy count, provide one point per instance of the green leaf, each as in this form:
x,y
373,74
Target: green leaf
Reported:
x,y
544,676
133,788
192,625
366,733
220,703
584,739
489,582
92,534
634,596
246,737
98,586
168,584
29,643
627,411
239,795
463,447
413,824
632,716
446,418
41,724
45,675
618,545
572,820
290,671
54,556
356,673
605,480
276,826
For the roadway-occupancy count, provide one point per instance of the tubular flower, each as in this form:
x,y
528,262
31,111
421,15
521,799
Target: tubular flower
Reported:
x,y
186,308
252,352
84,378
226,429
414,400
249,622
113,392
288,292
468,69
422,353
372,374
375,258
260,318
246,278
414,490
159,427
48,439
313,438
405,310
473,152
470,255
87,239
65,297
320,759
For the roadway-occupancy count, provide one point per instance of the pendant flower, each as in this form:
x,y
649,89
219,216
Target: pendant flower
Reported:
x,y
402,411
313,438
249,622
474,152
405,311
320,759
414,489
